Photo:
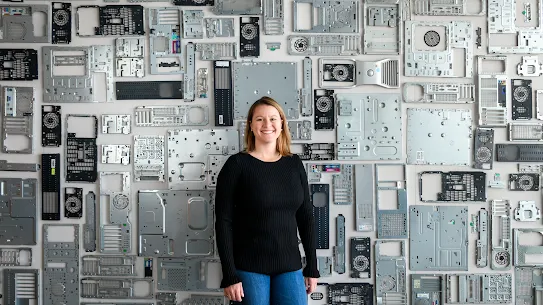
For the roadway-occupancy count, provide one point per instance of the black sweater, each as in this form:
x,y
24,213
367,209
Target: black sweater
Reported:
x,y
258,206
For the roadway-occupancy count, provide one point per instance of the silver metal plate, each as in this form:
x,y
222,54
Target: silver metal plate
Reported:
x,y
165,49
149,158
115,229
17,119
252,80
441,93
116,123
175,223
196,156
219,27
321,45
383,25
172,116
369,126
439,136
184,274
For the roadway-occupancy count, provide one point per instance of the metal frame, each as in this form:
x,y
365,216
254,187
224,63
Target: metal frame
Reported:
x,y
341,16
116,227
18,117
186,274
165,30
496,288
456,8
18,18
481,250
521,251
321,45
55,255
500,255
19,211
115,288
170,116
392,223
70,89
491,96
441,93
149,158
391,276
383,25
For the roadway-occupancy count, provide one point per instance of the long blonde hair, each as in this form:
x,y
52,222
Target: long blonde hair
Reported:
x,y
283,142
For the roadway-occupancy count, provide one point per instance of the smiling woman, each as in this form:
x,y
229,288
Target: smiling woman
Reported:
x,y
262,201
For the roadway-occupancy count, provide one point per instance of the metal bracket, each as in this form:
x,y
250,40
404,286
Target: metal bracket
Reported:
x,y
306,101
501,256
17,24
189,81
149,158
492,90
527,211
217,50
172,116
321,45
116,123
184,274
481,250
17,118
339,249
99,265
530,66
115,229
383,25
391,223
483,149
89,227
442,93
129,57
219,27
116,288
165,40
272,11
6,166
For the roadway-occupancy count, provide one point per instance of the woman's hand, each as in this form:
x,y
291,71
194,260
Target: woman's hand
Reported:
x,y
234,292
310,284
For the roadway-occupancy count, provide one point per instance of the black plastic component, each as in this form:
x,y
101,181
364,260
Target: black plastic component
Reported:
x,y
317,151
51,126
224,101
249,38
320,194
360,258
459,186
483,148
73,202
521,99
478,38
524,182
194,2
151,90
519,152
324,109
82,156
61,29
350,294
338,73
50,179
18,64
120,20
148,267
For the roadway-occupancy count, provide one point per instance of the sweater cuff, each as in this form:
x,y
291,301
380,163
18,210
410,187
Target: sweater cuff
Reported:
x,y
228,281
311,272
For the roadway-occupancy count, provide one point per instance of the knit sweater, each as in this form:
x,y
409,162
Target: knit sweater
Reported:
x,y
259,206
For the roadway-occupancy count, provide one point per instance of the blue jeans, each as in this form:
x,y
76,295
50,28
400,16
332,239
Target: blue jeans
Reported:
x,y
283,289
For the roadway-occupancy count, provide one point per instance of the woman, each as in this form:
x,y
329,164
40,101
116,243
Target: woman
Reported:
x,y
262,199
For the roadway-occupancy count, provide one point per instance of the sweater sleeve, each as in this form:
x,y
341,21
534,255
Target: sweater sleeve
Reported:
x,y
224,212
306,226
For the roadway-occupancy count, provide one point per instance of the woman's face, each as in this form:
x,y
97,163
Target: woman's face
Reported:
x,y
266,124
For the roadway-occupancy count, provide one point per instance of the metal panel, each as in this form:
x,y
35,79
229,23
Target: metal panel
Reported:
x,y
89,227
254,79
99,265
483,149
383,25
364,193
115,229
321,45
70,89
171,116
18,25
17,118
501,256
117,288
339,249
438,136
175,223
438,238
191,154
479,288
369,126
492,92
428,61
149,158
481,250
340,16
391,287
165,50
391,223
18,211
21,287
184,274
523,251
442,93
60,266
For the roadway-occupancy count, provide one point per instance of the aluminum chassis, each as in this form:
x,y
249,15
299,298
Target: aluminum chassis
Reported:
x,y
17,117
391,276
384,36
491,113
438,63
115,229
69,89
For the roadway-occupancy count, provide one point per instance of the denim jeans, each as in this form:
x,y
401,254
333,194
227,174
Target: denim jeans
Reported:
x,y
283,289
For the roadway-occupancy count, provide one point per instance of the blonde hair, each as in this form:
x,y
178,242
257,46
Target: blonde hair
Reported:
x,y
283,142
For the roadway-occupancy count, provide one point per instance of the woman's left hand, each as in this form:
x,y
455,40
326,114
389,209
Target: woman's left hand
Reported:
x,y
310,284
